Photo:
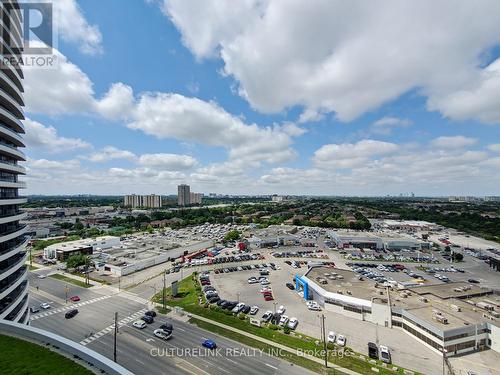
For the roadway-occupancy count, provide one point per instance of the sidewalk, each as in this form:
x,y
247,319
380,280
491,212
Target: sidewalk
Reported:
x,y
269,342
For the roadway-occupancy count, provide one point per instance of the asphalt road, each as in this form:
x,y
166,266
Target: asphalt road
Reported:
x,y
139,350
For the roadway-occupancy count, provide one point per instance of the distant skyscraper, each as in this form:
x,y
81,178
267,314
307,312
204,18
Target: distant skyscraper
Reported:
x,y
13,239
183,195
195,198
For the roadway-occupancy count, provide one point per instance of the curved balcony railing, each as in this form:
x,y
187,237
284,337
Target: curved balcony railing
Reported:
x,y
12,279
11,300
11,134
11,150
23,304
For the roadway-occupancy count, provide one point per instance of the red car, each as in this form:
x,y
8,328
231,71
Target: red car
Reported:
x,y
268,298
75,299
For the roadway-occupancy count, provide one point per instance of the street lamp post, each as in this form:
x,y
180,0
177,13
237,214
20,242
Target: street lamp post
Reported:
x,y
164,290
66,290
324,339
114,341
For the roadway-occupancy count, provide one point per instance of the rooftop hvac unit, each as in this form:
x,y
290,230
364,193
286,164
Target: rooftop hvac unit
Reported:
x,y
441,319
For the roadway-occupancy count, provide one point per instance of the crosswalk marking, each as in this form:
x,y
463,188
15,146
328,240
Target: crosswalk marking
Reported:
x,y
65,308
108,329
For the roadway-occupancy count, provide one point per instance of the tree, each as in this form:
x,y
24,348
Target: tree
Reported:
x,y
232,235
458,257
77,260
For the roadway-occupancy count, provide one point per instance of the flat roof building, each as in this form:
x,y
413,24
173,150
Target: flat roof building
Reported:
x,y
63,250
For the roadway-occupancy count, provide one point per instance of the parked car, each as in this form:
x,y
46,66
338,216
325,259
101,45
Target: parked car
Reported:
x,y
238,307
385,354
246,309
292,323
267,316
268,297
473,281
372,350
252,280
253,310
141,324
331,337
341,340
281,310
71,313
210,344
283,320
313,305
290,286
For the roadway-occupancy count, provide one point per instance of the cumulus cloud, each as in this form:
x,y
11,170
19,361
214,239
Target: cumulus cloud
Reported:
x,y
110,153
458,141
348,155
364,54
74,28
494,147
171,162
385,125
45,138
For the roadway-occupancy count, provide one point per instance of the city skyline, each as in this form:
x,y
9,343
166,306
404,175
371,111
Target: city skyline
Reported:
x,y
338,118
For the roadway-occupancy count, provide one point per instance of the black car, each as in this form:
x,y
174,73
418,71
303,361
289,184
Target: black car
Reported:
x,y
473,281
167,327
150,313
148,319
245,310
221,302
214,299
290,286
71,313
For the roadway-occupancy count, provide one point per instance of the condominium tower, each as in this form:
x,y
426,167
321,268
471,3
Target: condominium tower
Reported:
x,y
146,201
13,271
183,195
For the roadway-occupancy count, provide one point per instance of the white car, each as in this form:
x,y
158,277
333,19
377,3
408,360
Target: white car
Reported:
x,y
42,276
162,334
139,324
265,289
281,310
283,320
385,354
45,306
264,282
253,280
238,307
292,323
313,305
331,337
254,310
341,340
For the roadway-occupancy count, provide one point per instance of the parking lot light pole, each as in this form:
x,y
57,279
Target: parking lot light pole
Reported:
x,y
164,290
274,304
238,294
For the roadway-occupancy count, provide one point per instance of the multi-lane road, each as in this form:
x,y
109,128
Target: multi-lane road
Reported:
x,y
139,350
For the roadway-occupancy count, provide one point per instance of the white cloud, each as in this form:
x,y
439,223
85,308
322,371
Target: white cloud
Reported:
x,y
385,125
75,29
64,90
479,100
494,147
349,155
363,54
117,103
110,153
458,141
45,138
171,162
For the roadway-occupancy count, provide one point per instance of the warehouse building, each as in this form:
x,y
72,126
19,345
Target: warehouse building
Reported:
x,y
455,317
63,250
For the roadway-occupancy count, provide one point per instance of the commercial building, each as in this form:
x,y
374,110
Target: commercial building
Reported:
x,y
13,272
455,317
183,195
377,240
63,250
146,201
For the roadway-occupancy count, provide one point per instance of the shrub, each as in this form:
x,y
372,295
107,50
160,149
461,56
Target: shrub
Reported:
x,y
286,330
273,327
241,316
330,346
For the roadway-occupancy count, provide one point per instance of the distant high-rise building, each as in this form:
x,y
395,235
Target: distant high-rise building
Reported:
x,y
13,238
195,198
146,201
183,195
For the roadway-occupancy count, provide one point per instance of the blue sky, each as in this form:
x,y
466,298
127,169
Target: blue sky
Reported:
x,y
263,97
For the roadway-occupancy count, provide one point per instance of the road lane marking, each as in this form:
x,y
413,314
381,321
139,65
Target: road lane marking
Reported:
x,y
66,308
268,365
108,329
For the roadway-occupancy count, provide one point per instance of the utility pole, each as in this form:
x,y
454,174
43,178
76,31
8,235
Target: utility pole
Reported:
x,y
66,289
164,291
116,331
324,339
